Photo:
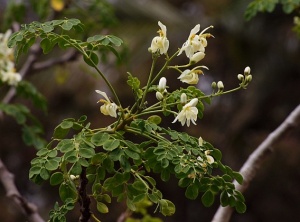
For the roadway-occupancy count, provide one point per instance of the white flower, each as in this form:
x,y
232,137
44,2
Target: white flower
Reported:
x,y
160,43
209,158
8,73
188,113
12,78
108,108
190,76
162,84
195,43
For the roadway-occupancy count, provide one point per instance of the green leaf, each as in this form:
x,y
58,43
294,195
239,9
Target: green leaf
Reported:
x,y
132,154
139,198
100,138
66,145
238,177
106,198
184,182
67,190
46,45
111,144
86,152
47,28
67,25
92,59
95,38
130,204
66,124
56,178
115,40
60,133
76,169
101,173
165,175
192,191
240,207
217,154
154,119
167,208
208,198
51,165
71,156
34,171
164,163
102,208
153,198
150,180
83,162
44,174
224,198
42,152
98,158
139,185
125,163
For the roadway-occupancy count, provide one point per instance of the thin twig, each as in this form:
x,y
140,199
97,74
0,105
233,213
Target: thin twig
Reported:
x,y
28,209
256,159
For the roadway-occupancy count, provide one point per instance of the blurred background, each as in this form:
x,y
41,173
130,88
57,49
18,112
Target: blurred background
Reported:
x,y
235,123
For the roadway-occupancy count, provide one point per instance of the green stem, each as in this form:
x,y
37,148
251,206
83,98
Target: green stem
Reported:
x,y
153,137
222,93
148,82
95,218
164,67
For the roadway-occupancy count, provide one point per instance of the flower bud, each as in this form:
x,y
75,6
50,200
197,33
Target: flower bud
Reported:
x,y
214,85
220,85
73,177
199,158
247,71
240,77
200,141
162,84
198,56
249,78
159,96
183,98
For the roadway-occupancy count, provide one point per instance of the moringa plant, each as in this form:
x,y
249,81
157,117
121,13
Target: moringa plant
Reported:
x,y
92,166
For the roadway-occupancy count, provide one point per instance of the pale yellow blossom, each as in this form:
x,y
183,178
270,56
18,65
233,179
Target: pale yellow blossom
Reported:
x,y
108,108
188,113
160,43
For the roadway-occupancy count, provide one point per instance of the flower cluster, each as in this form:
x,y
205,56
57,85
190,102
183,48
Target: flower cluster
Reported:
x,y
194,49
8,73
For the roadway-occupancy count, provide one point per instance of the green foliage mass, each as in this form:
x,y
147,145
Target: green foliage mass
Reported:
x,y
113,164
256,6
